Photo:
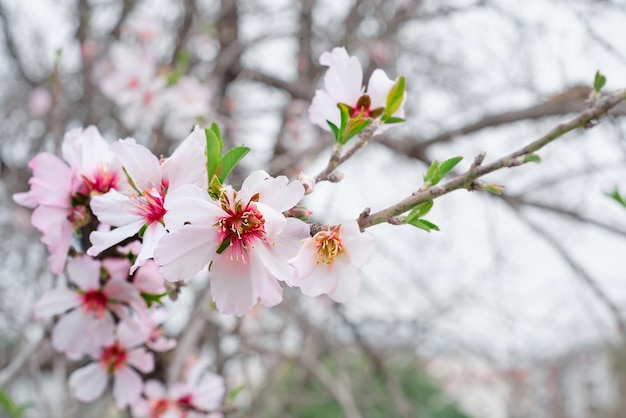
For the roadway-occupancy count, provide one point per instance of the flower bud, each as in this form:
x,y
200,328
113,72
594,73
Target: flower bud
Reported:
x,y
307,181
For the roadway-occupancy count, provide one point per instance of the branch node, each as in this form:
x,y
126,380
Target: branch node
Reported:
x,y
366,212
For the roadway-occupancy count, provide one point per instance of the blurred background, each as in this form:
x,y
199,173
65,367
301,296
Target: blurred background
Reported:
x,y
515,309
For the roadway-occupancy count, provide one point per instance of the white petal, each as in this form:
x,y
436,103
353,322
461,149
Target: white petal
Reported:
x,y
344,79
359,246
348,284
101,331
88,383
140,164
265,287
305,262
151,237
68,335
231,286
254,180
114,208
378,88
154,389
183,253
126,387
194,210
187,165
209,393
269,260
323,108
55,302
280,194
322,280
102,240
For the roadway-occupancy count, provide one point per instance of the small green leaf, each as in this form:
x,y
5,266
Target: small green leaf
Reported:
x,y
432,171
395,97
419,211
391,119
599,81
6,403
152,299
617,197
214,145
234,393
229,161
423,224
22,408
494,188
531,158
142,230
447,166
335,130
355,127
345,115
215,188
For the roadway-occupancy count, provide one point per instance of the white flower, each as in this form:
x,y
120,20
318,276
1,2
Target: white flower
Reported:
x,y
329,262
343,83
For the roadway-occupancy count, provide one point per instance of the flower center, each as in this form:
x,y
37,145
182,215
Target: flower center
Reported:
x,y
328,245
78,216
184,402
114,357
150,205
94,301
364,107
239,230
102,181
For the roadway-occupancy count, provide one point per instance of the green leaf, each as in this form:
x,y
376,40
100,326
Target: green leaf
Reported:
x,y
447,166
395,97
355,127
432,171
531,158
229,161
335,130
419,211
152,299
617,197
6,403
423,224
344,109
391,119
494,188
233,393
142,230
215,188
599,81
214,146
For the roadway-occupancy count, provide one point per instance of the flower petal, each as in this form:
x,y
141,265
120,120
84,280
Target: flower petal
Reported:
x,y
127,387
84,272
183,253
88,383
56,302
142,166
344,79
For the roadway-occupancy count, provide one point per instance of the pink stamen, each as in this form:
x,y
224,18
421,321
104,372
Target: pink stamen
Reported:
x,y
114,357
95,302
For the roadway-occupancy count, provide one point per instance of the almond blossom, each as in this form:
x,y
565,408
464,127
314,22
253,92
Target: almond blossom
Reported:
x,y
244,236
329,262
140,207
88,309
200,396
59,193
120,360
343,83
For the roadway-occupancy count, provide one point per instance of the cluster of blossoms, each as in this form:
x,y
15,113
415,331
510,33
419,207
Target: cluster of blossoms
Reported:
x,y
129,221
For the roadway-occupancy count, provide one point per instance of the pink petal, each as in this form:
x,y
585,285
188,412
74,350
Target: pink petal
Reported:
x,y
148,279
151,237
268,260
118,268
348,283
84,272
57,234
209,393
127,387
280,194
378,88
141,359
183,253
68,335
265,287
187,204
322,280
154,389
305,262
56,302
52,181
88,383
101,331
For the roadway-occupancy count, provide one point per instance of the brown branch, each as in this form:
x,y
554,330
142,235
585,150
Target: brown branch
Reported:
x,y
586,119
127,8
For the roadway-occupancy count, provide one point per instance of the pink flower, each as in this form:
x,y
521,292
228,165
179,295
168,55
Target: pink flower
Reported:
x,y
88,309
39,102
199,396
343,83
329,262
118,360
59,193
141,205
188,102
244,236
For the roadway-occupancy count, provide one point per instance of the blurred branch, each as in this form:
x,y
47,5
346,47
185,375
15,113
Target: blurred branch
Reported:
x,y
189,10
582,273
24,354
572,100
11,47
586,119
127,8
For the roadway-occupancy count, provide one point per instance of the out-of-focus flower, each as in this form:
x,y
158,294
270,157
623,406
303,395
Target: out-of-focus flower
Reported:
x,y
308,182
59,193
140,207
343,83
188,102
329,262
244,236
119,361
39,102
88,309
200,396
